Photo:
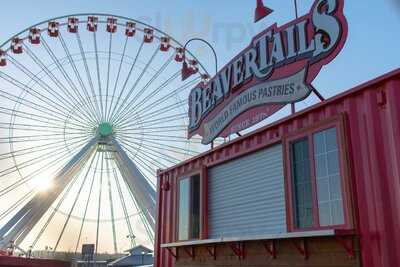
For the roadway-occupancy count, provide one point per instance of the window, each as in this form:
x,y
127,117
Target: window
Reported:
x,y
189,208
302,184
327,172
316,180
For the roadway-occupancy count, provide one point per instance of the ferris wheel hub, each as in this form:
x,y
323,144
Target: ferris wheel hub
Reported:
x,y
105,129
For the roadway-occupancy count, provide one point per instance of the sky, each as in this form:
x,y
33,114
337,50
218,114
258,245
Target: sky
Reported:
x,y
371,50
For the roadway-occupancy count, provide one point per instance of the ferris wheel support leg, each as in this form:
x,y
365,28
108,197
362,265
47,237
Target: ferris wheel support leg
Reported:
x,y
144,193
21,223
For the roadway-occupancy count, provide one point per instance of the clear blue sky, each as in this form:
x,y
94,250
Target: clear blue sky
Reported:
x,y
372,48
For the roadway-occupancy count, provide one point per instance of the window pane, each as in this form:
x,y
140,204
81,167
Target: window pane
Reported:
x,y
319,143
327,169
336,187
301,183
333,162
323,189
337,212
331,142
321,166
324,214
195,229
184,209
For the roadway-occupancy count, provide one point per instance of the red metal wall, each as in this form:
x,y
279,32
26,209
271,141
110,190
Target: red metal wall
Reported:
x,y
372,113
6,261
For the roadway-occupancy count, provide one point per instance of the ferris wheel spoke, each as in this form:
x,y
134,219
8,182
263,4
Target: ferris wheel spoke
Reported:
x,y
146,162
16,204
146,225
144,221
163,99
87,202
80,80
99,207
164,110
126,98
137,200
74,203
141,91
61,101
110,197
53,78
28,137
86,112
73,131
98,78
31,150
154,121
27,90
125,210
32,126
30,162
155,153
157,121
38,138
173,149
35,117
127,79
108,76
44,227
117,78
163,128
28,115
131,108
28,177
32,105
89,77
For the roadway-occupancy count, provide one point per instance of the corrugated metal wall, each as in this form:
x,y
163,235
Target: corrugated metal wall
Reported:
x,y
246,195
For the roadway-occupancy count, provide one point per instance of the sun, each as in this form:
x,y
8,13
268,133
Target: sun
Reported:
x,y
42,184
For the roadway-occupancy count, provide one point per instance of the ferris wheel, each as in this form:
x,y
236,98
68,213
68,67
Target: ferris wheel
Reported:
x,y
91,105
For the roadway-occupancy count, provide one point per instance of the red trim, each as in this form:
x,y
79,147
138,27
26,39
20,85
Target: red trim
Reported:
x,y
203,220
204,203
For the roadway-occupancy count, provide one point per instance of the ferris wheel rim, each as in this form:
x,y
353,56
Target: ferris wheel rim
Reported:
x,y
108,15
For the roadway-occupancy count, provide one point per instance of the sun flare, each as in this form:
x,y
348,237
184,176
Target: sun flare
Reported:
x,y
43,185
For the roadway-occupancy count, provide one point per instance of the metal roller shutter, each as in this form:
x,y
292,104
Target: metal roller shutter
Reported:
x,y
247,195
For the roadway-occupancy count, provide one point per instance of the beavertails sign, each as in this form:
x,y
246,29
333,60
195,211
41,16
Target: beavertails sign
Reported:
x,y
277,68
